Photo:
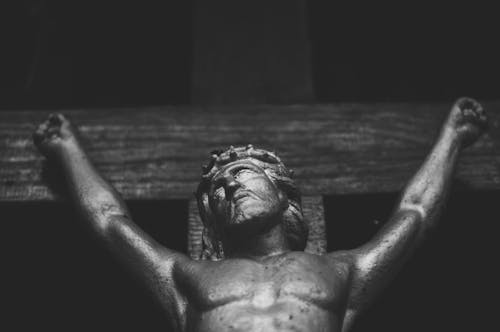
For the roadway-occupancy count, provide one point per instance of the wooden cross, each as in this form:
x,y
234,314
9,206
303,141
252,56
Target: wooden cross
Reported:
x,y
248,90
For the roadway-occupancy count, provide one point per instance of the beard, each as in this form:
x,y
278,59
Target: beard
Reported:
x,y
251,215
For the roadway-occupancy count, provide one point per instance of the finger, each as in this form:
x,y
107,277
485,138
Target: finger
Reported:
x,y
38,132
480,110
43,126
61,117
53,131
55,119
467,103
468,112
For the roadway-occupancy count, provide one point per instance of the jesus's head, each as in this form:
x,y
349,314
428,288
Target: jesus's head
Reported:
x,y
247,191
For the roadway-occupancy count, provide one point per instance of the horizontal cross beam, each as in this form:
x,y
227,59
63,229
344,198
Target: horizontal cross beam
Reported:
x,y
156,152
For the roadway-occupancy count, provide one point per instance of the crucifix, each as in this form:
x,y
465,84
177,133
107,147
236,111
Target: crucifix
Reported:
x,y
260,279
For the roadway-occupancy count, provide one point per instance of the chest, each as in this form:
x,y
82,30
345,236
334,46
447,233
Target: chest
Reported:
x,y
262,286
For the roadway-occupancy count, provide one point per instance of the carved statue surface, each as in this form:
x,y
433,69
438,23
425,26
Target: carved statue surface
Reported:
x,y
261,279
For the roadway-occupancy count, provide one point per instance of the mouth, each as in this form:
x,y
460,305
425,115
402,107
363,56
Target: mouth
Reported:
x,y
239,194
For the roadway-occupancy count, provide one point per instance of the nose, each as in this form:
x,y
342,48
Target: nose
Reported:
x,y
230,185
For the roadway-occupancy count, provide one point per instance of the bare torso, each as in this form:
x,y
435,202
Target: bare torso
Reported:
x,y
294,291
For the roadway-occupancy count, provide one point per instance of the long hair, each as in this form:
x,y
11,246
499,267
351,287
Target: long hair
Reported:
x,y
293,221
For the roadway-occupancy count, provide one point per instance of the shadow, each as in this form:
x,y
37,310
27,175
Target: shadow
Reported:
x,y
445,283
382,51
59,277
129,55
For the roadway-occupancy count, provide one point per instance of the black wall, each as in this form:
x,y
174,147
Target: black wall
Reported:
x,y
118,53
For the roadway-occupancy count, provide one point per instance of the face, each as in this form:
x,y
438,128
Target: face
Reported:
x,y
243,195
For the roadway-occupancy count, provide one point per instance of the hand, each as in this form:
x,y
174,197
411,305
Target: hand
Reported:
x,y
54,134
468,119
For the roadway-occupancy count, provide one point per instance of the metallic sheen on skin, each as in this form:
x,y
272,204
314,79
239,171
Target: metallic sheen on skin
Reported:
x,y
263,281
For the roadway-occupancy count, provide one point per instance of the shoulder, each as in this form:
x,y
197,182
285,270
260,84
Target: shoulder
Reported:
x,y
343,261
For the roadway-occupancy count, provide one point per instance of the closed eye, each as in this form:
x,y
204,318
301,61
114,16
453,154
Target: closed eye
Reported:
x,y
242,173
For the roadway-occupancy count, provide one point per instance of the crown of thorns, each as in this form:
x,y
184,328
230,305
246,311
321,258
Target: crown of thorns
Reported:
x,y
296,228
268,161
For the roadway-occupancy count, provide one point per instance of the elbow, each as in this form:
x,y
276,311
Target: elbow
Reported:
x,y
105,216
105,226
417,215
414,208
112,219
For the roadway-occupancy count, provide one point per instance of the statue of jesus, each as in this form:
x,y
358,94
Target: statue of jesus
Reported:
x,y
261,279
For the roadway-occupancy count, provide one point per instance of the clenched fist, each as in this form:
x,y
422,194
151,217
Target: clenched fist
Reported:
x,y
54,134
468,118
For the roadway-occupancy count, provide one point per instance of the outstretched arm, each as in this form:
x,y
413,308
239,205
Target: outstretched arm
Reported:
x,y
103,210
376,263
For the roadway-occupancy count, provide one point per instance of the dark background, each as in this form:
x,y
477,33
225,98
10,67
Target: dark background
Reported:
x,y
60,54
93,54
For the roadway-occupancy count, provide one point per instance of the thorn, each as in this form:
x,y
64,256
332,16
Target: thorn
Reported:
x,y
232,154
204,168
249,146
292,172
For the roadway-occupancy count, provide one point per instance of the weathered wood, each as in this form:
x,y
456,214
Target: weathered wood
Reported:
x,y
314,216
156,153
195,231
251,51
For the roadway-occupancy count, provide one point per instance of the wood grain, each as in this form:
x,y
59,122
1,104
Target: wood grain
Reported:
x,y
156,153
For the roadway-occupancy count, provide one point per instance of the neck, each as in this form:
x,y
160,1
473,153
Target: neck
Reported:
x,y
268,243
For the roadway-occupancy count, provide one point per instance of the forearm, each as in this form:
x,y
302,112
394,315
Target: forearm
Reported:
x,y
95,199
427,190
376,263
